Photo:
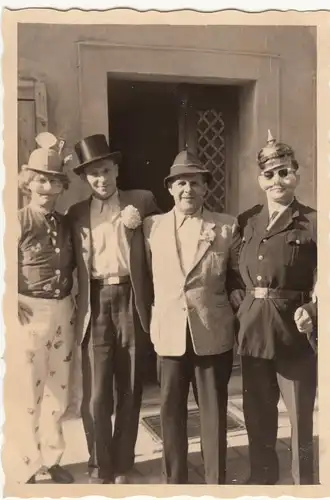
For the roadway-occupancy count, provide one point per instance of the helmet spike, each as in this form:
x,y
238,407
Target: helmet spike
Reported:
x,y
270,137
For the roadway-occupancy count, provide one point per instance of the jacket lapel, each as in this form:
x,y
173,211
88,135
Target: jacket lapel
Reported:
x,y
206,238
260,221
126,233
84,222
168,229
285,219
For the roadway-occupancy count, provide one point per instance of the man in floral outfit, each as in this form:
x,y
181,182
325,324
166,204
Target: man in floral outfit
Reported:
x,y
113,303
40,351
193,255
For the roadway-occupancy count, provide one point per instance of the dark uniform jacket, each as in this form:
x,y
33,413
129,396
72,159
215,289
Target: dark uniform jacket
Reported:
x,y
283,258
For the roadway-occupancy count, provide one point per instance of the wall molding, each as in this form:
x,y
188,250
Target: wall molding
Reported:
x,y
103,44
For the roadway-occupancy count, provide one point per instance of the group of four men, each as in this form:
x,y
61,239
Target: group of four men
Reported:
x,y
195,280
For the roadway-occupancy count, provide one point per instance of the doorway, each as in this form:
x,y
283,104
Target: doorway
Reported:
x,y
151,121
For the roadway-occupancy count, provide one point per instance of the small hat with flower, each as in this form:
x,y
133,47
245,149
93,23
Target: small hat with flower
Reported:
x,y
47,158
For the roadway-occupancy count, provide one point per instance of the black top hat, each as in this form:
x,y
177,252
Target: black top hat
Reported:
x,y
276,154
187,163
92,149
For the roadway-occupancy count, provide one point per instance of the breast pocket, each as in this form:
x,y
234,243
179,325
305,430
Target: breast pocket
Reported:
x,y
298,244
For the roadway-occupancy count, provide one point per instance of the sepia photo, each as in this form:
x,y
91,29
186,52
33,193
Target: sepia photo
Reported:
x,y
163,319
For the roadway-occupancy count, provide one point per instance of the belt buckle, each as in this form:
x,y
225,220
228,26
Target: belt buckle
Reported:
x,y
261,293
117,280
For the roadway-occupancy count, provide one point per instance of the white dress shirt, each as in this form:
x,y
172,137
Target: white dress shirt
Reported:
x,y
109,255
188,229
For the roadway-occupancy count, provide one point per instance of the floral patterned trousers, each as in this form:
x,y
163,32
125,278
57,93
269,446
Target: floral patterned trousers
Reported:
x,y
40,365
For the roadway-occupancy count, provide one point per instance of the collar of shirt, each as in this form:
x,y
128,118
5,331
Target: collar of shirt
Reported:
x,y
42,212
277,208
109,205
181,217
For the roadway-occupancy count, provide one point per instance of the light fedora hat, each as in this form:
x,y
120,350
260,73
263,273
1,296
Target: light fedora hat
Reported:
x,y
45,159
186,163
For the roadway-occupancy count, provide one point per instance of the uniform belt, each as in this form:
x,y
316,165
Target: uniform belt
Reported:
x,y
112,280
43,296
269,293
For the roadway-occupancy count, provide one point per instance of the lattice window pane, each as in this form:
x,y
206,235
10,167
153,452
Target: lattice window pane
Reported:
x,y
211,151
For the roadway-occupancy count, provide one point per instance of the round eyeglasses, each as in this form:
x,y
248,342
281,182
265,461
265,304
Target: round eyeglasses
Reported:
x,y
282,172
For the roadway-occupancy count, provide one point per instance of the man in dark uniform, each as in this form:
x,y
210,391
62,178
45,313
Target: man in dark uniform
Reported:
x,y
277,339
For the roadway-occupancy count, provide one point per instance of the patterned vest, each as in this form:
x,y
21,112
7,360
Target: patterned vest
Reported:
x,y
45,254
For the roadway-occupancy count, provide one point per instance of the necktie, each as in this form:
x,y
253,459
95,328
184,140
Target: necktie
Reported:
x,y
274,214
188,235
52,226
102,206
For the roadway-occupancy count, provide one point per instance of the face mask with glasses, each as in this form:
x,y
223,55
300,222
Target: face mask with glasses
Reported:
x,y
282,173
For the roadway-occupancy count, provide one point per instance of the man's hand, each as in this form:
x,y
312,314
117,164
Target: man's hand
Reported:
x,y
303,321
315,293
236,298
24,313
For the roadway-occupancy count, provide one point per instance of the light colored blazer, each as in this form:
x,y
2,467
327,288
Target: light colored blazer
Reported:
x,y
79,216
201,296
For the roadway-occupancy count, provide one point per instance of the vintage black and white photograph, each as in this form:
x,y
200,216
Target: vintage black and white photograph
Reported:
x,y
166,237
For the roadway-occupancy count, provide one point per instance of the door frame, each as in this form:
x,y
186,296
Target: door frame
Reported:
x,y
32,90
257,73
29,89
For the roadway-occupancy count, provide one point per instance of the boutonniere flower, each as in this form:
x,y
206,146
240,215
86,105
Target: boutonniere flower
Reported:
x,y
131,217
208,235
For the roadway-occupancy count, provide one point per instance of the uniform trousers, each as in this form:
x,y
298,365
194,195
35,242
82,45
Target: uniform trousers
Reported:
x,y
38,359
211,375
111,360
263,382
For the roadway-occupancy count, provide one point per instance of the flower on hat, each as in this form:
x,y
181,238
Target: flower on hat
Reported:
x,y
46,140
207,235
131,217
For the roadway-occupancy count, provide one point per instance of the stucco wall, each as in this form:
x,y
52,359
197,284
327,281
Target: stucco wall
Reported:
x,y
49,53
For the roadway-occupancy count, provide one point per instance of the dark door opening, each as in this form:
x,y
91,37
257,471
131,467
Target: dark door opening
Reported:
x,y
143,123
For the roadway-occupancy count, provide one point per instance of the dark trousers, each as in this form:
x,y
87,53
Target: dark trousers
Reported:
x,y
111,358
263,382
212,375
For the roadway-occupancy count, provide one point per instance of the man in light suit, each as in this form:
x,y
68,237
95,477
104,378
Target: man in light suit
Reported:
x,y
114,299
193,256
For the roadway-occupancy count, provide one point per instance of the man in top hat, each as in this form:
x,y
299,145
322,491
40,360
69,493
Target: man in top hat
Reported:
x,y
277,339
40,350
193,256
113,303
